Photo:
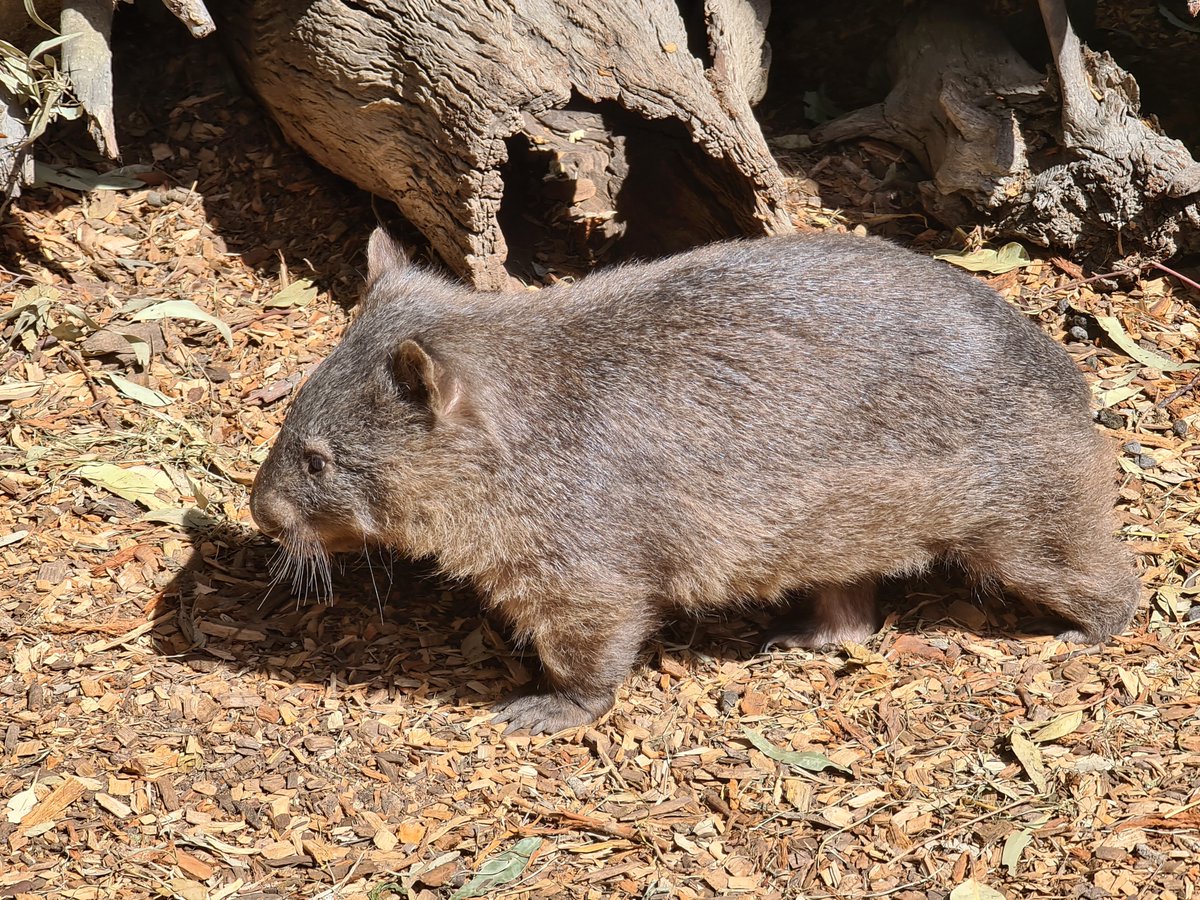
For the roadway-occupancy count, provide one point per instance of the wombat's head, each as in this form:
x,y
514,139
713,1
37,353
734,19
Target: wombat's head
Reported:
x,y
362,454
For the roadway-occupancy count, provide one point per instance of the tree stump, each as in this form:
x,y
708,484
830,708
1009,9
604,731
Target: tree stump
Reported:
x,y
1064,160
610,122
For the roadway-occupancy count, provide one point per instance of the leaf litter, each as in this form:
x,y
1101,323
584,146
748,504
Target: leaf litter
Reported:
x,y
171,726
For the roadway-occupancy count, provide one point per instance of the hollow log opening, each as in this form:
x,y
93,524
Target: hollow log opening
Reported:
x,y
592,183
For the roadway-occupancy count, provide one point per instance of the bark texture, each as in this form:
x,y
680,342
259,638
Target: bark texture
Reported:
x,y
483,117
1064,160
16,165
87,61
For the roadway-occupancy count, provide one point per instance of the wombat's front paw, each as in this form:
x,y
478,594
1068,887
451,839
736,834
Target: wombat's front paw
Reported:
x,y
813,637
547,712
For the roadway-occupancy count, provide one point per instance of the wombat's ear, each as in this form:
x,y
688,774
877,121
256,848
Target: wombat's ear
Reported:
x,y
384,255
429,381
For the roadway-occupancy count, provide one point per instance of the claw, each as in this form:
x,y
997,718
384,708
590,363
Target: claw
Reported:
x,y
546,712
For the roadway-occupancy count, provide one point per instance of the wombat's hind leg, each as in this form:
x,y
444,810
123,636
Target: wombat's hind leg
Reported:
x,y
1086,578
583,662
843,612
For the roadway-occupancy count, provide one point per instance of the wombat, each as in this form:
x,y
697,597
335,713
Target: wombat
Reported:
x,y
786,419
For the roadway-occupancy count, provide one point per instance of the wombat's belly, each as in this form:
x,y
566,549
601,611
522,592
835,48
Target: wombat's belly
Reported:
x,y
838,531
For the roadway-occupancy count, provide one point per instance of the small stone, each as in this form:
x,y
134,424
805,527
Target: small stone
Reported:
x,y
1180,427
1078,333
1147,462
729,701
1133,448
580,788
1110,419
155,199
1062,306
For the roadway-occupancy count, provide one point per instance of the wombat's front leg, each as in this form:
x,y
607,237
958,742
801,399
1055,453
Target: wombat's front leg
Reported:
x,y
836,613
585,655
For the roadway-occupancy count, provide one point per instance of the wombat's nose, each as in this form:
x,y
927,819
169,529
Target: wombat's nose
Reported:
x,y
270,515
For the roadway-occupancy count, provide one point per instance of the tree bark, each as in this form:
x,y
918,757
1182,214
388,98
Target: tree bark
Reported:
x,y
1064,160
593,119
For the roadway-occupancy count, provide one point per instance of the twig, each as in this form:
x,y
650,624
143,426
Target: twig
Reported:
x,y
1173,273
1175,395
92,382
1189,821
1079,282
961,826
590,823
195,16
267,315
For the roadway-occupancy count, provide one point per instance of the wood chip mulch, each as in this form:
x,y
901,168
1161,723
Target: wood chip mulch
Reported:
x,y
170,727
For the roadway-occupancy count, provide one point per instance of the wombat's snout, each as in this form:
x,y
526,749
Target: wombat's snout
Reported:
x,y
269,511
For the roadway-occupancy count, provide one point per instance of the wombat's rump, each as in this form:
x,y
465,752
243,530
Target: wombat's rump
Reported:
x,y
744,423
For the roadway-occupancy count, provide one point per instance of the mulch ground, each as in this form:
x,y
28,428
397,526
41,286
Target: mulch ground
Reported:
x,y
171,727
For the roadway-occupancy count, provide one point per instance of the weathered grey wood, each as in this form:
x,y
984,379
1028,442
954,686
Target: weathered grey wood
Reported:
x,y
87,61
1065,160
737,40
424,103
194,14
16,165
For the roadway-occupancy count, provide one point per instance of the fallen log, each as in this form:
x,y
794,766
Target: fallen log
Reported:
x,y
606,122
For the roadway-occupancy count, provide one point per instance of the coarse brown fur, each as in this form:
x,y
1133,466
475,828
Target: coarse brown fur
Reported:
x,y
747,422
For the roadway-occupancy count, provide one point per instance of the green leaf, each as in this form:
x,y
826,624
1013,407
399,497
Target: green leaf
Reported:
x,y
1014,846
140,347
184,309
500,869
298,294
996,262
68,332
81,315
134,391
31,11
51,43
1175,20
1113,328
137,484
1030,758
18,390
13,537
1162,478
78,179
1057,728
812,762
197,490
1115,396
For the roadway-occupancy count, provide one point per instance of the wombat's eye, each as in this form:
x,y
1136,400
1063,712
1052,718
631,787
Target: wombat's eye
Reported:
x,y
316,464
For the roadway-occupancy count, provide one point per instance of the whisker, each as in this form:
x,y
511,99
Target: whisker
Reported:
x,y
305,564
374,585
